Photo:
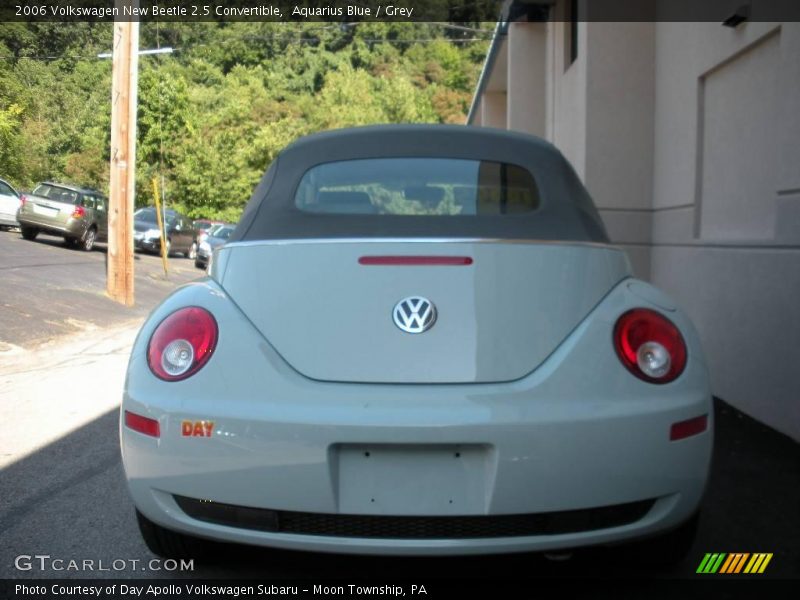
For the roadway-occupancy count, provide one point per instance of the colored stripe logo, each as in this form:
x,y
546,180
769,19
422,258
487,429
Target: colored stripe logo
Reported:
x,y
734,563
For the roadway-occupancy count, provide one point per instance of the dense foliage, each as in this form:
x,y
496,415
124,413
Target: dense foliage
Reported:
x,y
213,114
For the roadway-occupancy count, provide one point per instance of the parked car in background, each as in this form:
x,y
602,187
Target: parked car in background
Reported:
x,y
9,205
178,229
216,237
79,215
201,229
418,340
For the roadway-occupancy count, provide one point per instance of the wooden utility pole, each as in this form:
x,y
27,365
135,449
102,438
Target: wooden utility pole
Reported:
x,y
125,70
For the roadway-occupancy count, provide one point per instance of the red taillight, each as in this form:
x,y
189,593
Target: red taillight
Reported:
x,y
688,428
78,212
182,343
142,424
649,345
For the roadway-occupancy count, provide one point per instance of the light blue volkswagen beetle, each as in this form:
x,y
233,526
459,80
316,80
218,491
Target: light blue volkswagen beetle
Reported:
x,y
418,341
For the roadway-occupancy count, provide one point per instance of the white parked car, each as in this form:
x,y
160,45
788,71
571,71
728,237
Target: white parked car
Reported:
x,y
418,340
9,205
217,236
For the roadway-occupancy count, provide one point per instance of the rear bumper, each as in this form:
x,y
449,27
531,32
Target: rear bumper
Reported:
x,y
72,228
202,258
530,461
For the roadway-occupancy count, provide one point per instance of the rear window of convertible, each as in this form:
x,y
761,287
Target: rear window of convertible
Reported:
x,y
417,186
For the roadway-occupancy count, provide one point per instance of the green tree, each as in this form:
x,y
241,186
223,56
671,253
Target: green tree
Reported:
x,y
216,112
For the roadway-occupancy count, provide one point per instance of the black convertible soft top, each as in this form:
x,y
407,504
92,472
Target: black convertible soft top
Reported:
x,y
566,211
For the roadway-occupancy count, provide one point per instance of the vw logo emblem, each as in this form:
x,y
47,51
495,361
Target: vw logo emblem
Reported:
x,y
414,314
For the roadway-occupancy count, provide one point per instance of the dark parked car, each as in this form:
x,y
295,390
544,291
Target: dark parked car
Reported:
x,y
80,215
178,228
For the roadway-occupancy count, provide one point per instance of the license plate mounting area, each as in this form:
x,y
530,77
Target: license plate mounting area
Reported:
x,y
411,479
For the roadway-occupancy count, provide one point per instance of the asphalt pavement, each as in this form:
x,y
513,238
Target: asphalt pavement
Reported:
x,y
48,290
63,493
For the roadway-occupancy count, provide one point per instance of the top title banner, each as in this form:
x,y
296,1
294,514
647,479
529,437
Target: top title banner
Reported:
x,y
398,11
210,10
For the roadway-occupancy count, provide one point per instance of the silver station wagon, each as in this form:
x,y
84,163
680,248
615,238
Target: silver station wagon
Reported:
x,y
77,214
418,340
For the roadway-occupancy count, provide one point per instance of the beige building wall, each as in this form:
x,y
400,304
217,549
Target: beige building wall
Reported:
x,y
567,97
527,88
620,85
687,135
726,199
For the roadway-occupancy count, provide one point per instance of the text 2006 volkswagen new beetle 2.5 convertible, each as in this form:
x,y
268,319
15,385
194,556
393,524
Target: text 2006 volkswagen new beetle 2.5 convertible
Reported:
x,y
418,340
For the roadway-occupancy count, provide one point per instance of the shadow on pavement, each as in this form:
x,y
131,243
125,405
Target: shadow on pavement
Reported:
x,y
51,290
58,242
